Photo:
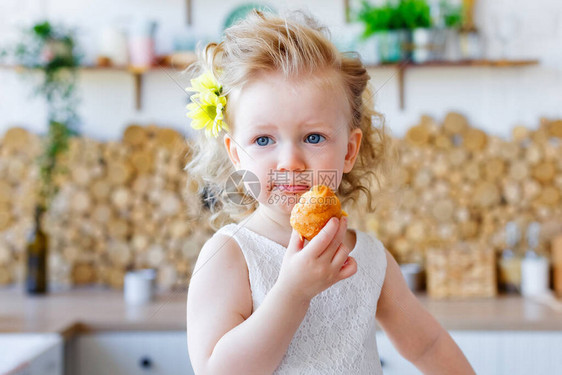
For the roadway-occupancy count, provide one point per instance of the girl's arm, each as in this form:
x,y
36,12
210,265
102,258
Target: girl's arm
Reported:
x,y
224,337
416,335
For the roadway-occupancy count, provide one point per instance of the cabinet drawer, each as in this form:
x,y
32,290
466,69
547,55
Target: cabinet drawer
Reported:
x,y
130,353
491,352
530,352
480,348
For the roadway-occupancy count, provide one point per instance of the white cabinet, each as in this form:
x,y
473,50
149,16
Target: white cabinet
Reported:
x,y
49,362
392,362
31,354
165,353
491,352
131,353
530,352
481,349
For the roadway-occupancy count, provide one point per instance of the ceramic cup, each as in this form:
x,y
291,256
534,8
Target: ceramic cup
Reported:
x,y
412,275
139,286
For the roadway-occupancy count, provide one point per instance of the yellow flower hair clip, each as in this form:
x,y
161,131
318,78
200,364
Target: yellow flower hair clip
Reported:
x,y
207,106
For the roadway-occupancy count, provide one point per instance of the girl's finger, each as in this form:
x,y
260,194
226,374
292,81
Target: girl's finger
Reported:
x,y
337,240
340,256
296,243
324,237
349,268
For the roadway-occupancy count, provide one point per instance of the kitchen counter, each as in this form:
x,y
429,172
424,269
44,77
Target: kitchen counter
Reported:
x,y
97,309
88,309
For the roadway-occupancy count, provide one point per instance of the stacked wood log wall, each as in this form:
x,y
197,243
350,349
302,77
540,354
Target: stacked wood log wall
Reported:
x,y
124,204
121,205
18,151
461,185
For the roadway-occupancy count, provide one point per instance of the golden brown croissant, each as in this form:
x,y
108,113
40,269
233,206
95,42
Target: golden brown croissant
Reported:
x,y
314,209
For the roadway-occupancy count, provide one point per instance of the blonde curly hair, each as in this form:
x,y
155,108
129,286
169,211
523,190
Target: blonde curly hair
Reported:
x,y
292,45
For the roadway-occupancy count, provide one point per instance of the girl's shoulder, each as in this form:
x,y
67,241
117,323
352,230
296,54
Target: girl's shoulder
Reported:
x,y
234,233
228,229
221,245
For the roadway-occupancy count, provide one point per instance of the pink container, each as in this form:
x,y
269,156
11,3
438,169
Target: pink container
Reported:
x,y
141,44
141,51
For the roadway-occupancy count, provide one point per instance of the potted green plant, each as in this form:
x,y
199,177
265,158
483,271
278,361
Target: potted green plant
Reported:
x,y
452,14
447,41
414,14
395,25
52,51
381,23
415,17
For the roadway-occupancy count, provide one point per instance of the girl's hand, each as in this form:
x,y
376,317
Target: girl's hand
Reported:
x,y
308,270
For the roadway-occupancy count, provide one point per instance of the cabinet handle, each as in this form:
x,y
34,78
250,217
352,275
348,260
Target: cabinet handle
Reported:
x,y
382,362
145,362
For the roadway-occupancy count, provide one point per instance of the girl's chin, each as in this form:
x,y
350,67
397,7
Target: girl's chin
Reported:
x,y
283,201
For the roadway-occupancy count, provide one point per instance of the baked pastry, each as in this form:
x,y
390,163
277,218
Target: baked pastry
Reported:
x,y
314,209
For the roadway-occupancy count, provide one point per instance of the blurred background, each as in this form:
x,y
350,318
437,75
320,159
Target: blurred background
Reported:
x,y
100,227
493,99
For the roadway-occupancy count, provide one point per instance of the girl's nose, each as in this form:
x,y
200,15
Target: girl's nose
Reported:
x,y
290,159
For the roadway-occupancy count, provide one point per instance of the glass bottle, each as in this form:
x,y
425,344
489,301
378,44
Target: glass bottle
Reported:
x,y
36,251
534,267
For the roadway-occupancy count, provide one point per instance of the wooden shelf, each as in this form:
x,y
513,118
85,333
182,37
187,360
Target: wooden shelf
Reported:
x,y
402,67
138,73
483,63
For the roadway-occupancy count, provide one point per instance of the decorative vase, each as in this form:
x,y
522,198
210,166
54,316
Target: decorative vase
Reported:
x,y
422,44
141,45
470,45
405,37
452,45
113,45
389,45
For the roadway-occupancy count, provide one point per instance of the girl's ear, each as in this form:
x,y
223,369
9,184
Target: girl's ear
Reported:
x,y
231,150
353,146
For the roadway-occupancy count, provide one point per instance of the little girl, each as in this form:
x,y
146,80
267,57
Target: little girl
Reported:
x,y
281,106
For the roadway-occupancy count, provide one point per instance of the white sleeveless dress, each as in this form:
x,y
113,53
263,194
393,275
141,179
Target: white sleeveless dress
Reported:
x,y
337,335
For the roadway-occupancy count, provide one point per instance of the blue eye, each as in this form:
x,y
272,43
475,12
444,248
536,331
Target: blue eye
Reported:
x,y
263,141
314,138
